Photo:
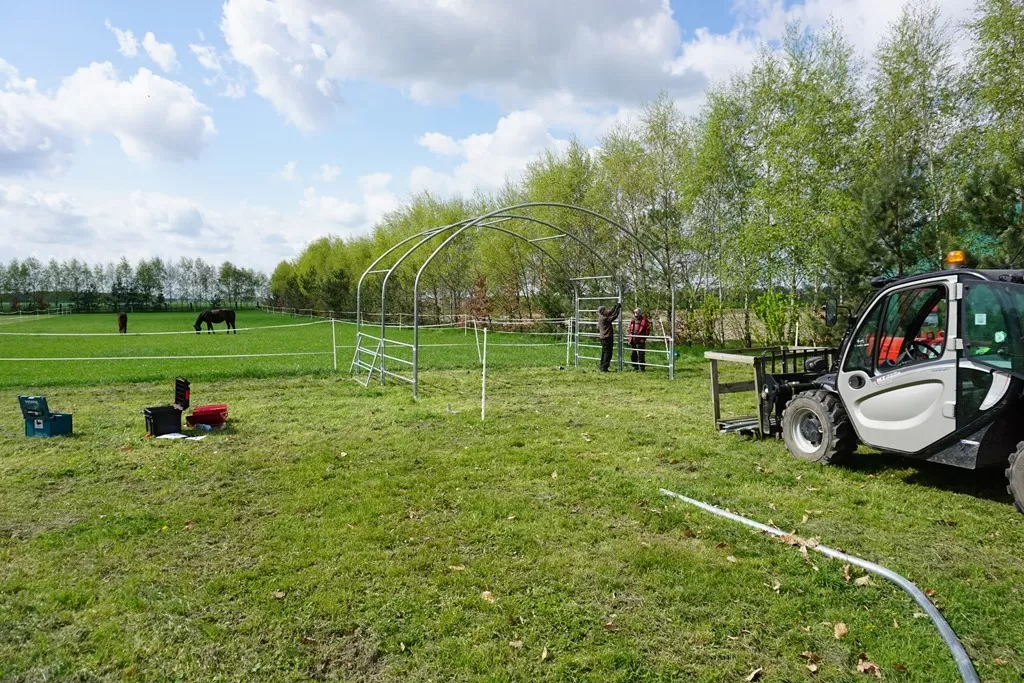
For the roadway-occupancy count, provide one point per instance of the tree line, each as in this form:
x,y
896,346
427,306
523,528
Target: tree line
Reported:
x,y
799,179
153,284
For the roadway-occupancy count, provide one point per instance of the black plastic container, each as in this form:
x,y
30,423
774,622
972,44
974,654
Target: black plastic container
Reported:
x,y
162,420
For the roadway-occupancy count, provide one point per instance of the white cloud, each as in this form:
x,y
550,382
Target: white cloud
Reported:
x,y
328,173
486,159
127,45
161,53
207,57
301,52
143,225
151,117
213,61
377,200
289,172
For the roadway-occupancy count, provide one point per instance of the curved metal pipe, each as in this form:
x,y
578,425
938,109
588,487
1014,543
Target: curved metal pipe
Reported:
x,y
956,648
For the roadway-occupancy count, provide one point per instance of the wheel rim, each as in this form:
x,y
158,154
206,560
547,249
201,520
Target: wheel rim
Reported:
x,y
806,431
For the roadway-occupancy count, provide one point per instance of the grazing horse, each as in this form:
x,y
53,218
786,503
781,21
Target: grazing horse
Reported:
x,y
122,323
216,315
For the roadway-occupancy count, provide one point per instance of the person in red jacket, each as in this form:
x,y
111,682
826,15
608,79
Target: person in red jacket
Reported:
x,y
639,330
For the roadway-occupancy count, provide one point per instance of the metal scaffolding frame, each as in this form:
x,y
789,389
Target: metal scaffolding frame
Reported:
x,y
376,347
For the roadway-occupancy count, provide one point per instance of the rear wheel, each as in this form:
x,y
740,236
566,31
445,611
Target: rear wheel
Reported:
x,y
1015,477
816,428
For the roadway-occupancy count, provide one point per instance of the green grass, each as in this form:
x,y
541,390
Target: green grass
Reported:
x,y
441,348
123,558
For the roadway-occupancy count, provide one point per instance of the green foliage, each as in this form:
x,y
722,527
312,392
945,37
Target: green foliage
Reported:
x,y
774,311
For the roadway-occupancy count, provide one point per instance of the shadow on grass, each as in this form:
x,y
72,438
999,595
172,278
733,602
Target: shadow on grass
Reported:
x,y
986,484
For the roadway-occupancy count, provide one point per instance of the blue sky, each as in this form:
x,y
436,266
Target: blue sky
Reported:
x,y
165,129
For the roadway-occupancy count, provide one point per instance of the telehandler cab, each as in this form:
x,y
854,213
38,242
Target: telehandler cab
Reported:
x,y
931,367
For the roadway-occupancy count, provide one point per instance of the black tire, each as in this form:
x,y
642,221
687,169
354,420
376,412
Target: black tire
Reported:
x,y
1015,477
816,428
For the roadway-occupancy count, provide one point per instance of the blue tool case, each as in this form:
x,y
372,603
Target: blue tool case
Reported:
x,y
39,421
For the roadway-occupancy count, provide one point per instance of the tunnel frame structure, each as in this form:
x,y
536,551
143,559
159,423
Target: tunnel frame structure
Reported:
x,y
493,220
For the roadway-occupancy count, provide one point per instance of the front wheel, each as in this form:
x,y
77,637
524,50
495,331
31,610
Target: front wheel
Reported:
x,y
816,428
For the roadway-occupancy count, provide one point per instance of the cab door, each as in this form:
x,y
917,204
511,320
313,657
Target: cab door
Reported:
x,y
898,377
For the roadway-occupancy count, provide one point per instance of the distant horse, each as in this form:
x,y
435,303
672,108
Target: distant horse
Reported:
x,y
122,323
216,315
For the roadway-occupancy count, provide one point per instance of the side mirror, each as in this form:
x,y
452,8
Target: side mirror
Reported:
x,y
831,312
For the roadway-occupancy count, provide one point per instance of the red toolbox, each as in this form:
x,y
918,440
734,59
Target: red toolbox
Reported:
x,y
213,415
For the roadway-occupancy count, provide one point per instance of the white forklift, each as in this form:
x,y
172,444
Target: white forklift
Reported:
x,y
931,367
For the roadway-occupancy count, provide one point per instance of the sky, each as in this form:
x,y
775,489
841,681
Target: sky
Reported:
x,y
243,131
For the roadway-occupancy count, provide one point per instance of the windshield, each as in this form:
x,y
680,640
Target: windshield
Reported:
x,y
992,325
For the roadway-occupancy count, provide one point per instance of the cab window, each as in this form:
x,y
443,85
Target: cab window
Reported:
x,y
914,330
907,327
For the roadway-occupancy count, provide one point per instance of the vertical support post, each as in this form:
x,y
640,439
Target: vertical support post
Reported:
x,y
672,332
620,327
483,385
576,331
568,340
764,413
476,337
716,407
334,344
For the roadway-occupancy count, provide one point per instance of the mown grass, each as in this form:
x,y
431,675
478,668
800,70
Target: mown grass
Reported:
x,y
337,532
79,359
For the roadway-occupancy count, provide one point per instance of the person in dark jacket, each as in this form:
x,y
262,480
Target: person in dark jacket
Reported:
x,y
639,330
605,318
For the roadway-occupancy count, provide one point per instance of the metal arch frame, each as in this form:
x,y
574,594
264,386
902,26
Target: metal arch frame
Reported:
x,y
502,215
424,237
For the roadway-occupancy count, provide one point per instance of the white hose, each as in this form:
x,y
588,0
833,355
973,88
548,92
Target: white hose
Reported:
x,y
956,648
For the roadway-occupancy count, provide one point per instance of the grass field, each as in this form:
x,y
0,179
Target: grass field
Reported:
x,y
341,533
156,335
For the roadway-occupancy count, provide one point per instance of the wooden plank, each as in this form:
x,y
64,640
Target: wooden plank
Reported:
x,y
737,387
729,357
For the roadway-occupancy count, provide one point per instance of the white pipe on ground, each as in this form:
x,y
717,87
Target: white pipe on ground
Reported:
x,y
956,648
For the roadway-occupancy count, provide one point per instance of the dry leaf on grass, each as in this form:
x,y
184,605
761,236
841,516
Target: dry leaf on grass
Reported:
x,y
544,654
190,524
776,586
812,489
840,630
846,573
895,624
754,675
610,626
771,506
401,646
862,581
999,661
804,520
279,594
868,667
486,595
900,668
929,592
731,558
813,668
516,644
457,568
722,545
554,475
586,437
809,656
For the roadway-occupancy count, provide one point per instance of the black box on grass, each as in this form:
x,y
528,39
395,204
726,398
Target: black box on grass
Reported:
x,y
162,420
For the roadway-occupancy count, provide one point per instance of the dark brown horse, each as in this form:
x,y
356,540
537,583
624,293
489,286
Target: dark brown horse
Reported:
x,y
216,315
122,323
